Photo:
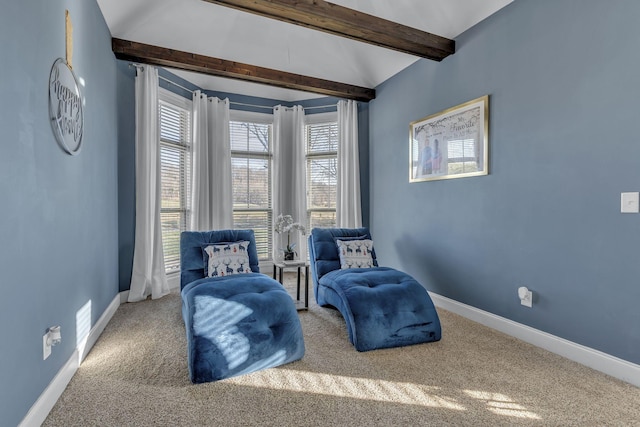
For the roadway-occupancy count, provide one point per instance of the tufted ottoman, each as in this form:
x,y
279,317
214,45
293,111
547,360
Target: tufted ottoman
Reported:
x,y
238,321
237,325
383,307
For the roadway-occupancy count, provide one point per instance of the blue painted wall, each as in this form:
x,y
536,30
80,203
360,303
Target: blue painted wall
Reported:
x,y
59,213
563,84
126,172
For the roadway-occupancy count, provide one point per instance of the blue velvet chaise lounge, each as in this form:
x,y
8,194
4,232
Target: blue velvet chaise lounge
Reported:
x,y
382,307
237,320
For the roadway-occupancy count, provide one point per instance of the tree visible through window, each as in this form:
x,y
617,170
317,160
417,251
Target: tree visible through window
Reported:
x,y
251,175
322,163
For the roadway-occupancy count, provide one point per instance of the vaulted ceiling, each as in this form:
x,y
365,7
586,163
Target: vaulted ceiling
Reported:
x,y
207,29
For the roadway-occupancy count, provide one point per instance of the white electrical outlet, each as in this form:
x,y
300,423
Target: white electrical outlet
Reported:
x,y
528,299
46,346
525,295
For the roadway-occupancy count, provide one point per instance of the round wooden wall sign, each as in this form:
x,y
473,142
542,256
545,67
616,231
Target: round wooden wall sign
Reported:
x,y
65,107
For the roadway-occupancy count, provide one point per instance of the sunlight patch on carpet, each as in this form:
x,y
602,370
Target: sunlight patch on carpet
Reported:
x,y
350,387
501,404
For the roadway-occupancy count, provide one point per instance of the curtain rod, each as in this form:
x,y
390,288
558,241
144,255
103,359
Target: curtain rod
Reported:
x,y
233,102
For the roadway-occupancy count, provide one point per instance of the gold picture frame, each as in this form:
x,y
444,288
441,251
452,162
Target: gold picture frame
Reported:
x,y
453,143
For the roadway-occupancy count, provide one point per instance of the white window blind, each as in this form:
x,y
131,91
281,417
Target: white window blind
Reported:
x,y
462,156
175,168
322,163
251,161
462,149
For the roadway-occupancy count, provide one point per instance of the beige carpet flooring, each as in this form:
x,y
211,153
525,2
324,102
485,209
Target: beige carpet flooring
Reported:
x,y
136,375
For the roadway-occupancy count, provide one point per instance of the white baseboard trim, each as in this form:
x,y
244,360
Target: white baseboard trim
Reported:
x,y
41,408
173,281
173,286
97,329
595,359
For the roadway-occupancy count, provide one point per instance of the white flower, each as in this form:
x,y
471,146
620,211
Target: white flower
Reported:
x,y
284,224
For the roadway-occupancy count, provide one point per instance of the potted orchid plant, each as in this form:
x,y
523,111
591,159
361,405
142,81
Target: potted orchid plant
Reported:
x,y
284,224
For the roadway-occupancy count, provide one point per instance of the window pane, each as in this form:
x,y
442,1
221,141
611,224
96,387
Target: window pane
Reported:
x,y
251,174
172,224
175,161
461,149
462,157
322,156
321,182
172,161
252,137
251,182
322,219
259,222
174,123
322,137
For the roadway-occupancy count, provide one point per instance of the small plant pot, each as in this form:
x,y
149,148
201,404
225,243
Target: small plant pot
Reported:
x,y
289,256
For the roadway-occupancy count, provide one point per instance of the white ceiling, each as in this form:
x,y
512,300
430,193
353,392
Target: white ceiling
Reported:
x,y
200,27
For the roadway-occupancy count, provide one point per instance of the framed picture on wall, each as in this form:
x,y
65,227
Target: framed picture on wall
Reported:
x,y
453,143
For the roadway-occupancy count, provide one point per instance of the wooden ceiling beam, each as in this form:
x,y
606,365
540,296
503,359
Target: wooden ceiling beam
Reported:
x,y
165,57
344,22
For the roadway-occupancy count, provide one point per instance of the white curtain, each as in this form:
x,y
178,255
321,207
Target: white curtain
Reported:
x,y
348,208
290,186
211,195
148,275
